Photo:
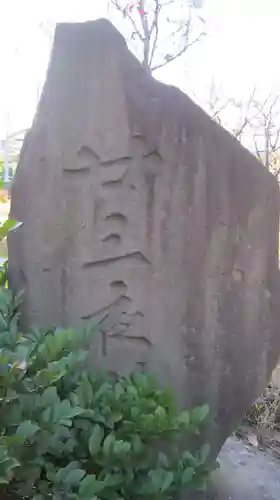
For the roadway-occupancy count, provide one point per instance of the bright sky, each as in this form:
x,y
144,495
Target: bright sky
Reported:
x,y
239,52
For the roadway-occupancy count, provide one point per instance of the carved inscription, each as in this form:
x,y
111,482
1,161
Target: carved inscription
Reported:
x,y
115,258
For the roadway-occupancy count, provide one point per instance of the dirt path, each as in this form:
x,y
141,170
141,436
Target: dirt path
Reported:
x,y
246,474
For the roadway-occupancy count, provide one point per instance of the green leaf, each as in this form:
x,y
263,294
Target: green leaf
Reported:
x,y
11,224
22,352
50,396
6,469
74,477
187,475
199,414
89,487
95,439
163,460
8,225
204,453
114,480
184,418
104,389
113,419
108,442
156,477
167,480
64,411
119,391
3,480
142,381
136,444
87,391
27,429
189,458
43,486
121,447
160,413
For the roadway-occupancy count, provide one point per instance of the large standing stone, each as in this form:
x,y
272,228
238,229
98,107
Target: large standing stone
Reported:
x,y
141,212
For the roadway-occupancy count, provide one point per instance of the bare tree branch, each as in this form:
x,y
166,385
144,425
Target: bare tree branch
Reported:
x,y
268,131
257,151
169,58
274,144
148,30
259,125
169,2
146,33
156,28
215,105
246,120
126,13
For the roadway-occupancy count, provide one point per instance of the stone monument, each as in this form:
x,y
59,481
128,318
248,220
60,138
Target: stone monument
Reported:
x,y
143,214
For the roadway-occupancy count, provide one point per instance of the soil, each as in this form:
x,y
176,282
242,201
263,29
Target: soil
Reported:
x,y
246,473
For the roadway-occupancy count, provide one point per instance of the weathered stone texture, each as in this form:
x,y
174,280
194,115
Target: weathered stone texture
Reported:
x,y
141,212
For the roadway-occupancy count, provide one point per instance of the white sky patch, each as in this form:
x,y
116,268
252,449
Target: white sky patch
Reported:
x,y
239,52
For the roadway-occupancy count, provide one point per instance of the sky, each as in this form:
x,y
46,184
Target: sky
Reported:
x,y
239,52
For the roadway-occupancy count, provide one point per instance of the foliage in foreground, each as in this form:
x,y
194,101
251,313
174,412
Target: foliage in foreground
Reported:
x,y
69,434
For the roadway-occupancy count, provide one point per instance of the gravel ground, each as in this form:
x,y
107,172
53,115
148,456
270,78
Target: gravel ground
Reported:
x,y
246,473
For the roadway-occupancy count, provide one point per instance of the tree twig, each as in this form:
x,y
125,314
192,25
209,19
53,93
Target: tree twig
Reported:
x,y
170,58
128,15
156,28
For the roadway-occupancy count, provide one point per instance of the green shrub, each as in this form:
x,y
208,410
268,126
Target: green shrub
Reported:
x,y
5,227
67,433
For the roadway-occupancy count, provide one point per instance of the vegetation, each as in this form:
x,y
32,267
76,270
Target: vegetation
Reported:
x,y
69,434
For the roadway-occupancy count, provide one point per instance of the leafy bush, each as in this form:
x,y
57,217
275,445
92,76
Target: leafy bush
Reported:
x,y
5,227
67,433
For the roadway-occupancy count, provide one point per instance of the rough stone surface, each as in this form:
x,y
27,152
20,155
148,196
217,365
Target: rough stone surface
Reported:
x,y
142,213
